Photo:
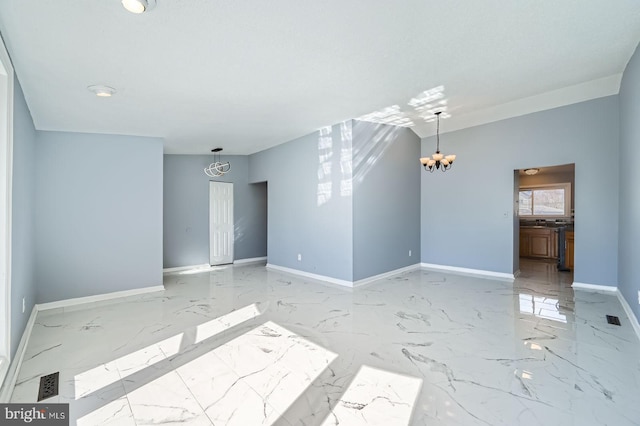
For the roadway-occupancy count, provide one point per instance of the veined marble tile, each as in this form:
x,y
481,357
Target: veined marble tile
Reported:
x,y
113,413
165,400
243,345
376,397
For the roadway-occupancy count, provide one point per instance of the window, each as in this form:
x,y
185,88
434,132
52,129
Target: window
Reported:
x,y
545,200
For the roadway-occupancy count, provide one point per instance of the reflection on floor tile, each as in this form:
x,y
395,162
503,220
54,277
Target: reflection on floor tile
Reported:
x,y
243,345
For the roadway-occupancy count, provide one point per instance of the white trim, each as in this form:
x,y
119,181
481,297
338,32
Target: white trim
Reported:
x,y
594,287
386,275
98,297
12,374
7,181
467,271
581,92
204,266
250,260
629,312
331,280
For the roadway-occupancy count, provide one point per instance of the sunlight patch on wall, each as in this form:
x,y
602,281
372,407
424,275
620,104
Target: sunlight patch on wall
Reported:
x,y
346,158
334,162
325,156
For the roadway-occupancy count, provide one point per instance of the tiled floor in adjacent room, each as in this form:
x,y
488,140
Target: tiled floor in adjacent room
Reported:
x,y
246,346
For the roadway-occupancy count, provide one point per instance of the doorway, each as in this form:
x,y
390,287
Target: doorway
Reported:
x,y
221,224
544,229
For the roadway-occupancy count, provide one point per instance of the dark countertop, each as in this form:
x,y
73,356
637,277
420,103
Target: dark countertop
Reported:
x,y
568,228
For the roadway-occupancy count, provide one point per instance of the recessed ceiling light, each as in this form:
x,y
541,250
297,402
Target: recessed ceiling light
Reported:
x,y
138,6
531,172
102,91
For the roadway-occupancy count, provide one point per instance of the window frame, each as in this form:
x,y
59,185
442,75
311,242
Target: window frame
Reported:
x,y
566,186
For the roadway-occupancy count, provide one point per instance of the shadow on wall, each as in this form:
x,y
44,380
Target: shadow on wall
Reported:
x,y
354,162
372,143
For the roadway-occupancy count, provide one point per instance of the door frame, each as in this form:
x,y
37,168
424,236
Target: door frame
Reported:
x,y
6,173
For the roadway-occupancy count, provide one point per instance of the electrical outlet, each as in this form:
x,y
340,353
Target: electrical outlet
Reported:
x,y
409,253
299,257
23,305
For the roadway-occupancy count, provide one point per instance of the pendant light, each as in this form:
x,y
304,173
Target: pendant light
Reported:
x,y
438,161
217,168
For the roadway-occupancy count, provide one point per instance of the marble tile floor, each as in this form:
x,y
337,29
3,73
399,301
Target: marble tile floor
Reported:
x,y
241,345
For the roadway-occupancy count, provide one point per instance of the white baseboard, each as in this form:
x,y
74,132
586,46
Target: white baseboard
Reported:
x,y
317,277
250,260
345,283
207,267
98,298
12,374
385,275
594,287
186,268
629,312
470,272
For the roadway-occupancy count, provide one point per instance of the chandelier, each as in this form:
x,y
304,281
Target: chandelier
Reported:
x,y
217,168
438,160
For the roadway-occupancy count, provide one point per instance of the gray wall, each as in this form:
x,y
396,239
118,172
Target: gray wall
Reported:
x,y
99,214
310,206
467,212
186,210
386,198
23,283
628,266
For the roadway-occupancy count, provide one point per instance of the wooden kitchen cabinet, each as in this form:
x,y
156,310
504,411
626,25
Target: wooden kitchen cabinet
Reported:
x,y
524,244
568,254
540,243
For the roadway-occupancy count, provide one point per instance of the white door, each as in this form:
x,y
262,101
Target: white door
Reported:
x,y
220,223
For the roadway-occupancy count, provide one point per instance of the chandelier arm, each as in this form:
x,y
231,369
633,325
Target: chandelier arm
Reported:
x,y
209,172
220,167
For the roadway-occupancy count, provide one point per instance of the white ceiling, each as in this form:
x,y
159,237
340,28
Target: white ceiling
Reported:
x,y
248,75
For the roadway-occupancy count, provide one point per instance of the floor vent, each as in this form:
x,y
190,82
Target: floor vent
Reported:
x,y
48,386
611,319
